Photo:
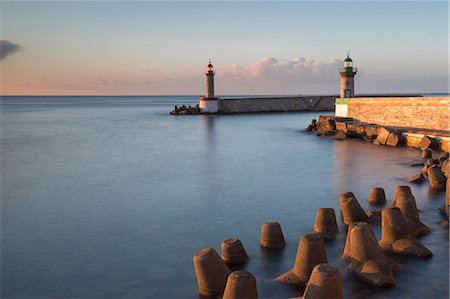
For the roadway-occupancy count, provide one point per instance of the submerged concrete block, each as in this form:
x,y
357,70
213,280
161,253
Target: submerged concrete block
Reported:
x,y
233,251
272,236
310,252
405,201
436,177
211,272
396,238
325,222
377,196
350,208
325,282
240,284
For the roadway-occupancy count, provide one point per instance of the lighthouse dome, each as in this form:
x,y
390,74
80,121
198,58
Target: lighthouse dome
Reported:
x,y
348,59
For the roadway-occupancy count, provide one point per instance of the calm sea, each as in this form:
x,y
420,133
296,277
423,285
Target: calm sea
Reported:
x,y
110,197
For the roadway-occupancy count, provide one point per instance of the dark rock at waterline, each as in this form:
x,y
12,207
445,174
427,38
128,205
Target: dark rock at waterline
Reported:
x,y
426,154
431,162
436,177
444,157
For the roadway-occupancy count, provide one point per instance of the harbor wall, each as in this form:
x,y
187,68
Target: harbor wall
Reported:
x,y
277,104
415,112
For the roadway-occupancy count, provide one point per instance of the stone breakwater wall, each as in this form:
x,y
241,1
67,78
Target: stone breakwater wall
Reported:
x,y
277,104
348,127
418,112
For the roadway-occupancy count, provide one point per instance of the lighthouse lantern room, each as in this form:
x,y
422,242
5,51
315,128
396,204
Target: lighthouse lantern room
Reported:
x,y
209,104
347,73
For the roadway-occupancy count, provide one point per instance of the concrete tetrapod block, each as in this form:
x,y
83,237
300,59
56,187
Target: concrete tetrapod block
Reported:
x,y
272,236
310,252
240,284
426,154
417,178
405,201
396,238
377,196
350,208
325,222
233,252
211,272
436,177
325,282
367,259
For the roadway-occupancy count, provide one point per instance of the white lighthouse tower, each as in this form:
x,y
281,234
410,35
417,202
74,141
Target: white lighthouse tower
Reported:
x,y
209,104
347,73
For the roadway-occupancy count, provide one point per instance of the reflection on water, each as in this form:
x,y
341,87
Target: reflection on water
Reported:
x,y
111,197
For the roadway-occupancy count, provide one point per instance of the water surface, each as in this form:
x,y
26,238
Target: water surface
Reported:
x,y
111,197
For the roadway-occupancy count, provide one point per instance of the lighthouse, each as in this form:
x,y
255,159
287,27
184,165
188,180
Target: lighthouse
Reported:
x,y
348,73
209,104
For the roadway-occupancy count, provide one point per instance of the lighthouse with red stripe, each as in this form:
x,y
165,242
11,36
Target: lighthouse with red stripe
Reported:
x,y
209,104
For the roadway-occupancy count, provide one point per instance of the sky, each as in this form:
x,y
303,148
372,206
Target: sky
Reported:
x,y
257,47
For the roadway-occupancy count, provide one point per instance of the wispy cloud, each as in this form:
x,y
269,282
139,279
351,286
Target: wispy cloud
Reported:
x,y
8,48
121,82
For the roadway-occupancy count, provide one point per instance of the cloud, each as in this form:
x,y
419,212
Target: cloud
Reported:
x,y
8,48
121,82
271,75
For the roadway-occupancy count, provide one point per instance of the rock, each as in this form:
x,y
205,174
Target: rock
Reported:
x,y
426,154
272,236
340,135
428,142
350,209
374,216
431,162
233,252
424,169
395,139
376,142
325,282
310,128
371,131
436,178
417,164
382,135
211,272
366,257
341,126
396,238
443,157
325,222
445,168
310,252
417,178
377,196
326,123
405,201
240,284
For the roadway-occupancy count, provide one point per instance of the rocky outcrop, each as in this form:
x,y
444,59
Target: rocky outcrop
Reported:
x,y
183,110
